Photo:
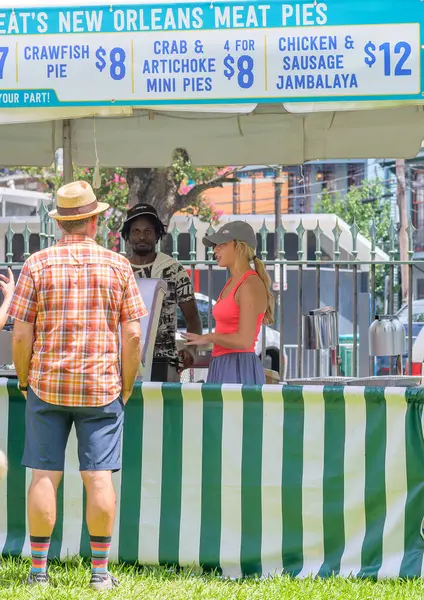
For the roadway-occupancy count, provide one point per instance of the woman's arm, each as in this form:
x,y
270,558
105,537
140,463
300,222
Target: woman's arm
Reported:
x,y
7,286
251,299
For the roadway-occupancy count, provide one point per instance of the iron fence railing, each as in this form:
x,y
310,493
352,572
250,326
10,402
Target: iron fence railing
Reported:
x,y
419,240
340,262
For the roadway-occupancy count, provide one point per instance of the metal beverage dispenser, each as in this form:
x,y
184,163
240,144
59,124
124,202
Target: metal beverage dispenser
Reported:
x,y
320,332
386,337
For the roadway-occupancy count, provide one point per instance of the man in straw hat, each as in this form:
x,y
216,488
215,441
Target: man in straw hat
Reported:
x,y
69,302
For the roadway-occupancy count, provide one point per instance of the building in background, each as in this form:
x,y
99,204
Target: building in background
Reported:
x,y
414,183
20,202
414,172
18,180
414,176
253,189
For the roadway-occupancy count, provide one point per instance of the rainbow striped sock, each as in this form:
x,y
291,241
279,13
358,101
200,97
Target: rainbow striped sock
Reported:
x,y
39,551
100,548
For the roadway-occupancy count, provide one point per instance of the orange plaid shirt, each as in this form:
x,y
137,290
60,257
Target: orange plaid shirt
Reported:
x,y
76,293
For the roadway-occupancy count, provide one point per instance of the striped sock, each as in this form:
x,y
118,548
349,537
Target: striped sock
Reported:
x,y
100,548
39,551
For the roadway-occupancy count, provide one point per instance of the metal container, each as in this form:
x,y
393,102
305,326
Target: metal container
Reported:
x,y
320,329
386,336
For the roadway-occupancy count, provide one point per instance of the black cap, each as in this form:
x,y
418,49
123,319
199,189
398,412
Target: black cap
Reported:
x,y
141,210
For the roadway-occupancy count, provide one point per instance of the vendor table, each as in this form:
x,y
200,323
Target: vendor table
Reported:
x,y
250,480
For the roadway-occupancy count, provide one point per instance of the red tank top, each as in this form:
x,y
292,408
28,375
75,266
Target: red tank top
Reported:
x,y
227,316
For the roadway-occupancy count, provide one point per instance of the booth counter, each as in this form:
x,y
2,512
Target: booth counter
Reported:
x,y
249,480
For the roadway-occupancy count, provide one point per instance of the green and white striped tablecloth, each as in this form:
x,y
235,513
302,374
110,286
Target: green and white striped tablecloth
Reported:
x,y
312,480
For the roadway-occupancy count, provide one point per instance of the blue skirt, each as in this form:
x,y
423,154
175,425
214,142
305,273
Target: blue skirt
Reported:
x,y
237,367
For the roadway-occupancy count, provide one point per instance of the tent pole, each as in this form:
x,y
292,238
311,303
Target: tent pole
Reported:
x,y
68,172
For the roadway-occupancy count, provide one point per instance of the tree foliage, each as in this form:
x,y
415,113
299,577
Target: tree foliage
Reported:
x,y
180,187
113,190
363,205
177,188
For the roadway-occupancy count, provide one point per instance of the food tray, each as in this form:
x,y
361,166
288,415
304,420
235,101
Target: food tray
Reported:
x,y
335,380
387,381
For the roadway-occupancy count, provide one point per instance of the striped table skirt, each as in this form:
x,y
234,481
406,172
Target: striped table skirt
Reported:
x,y
248,480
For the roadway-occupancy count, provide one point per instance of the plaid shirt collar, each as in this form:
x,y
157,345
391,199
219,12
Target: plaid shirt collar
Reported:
x,y
75,238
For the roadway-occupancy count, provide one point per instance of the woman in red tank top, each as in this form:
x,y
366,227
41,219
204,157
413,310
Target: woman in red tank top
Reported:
x,y
243,305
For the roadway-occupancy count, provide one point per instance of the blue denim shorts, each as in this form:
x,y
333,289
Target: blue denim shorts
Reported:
x,y
98,429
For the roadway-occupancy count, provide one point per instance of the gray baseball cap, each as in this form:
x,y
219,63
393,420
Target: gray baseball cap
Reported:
x,y
239,231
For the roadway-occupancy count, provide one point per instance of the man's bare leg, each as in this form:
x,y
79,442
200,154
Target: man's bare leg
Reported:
x,y
101,508
42,519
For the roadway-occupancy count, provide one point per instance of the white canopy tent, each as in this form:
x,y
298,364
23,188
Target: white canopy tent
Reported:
x,y
274,133
267,134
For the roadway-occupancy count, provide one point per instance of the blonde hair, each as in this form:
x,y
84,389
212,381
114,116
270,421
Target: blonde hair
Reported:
x,y
247,253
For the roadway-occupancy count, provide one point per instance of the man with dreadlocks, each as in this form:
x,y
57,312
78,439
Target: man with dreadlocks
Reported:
x,y
142,230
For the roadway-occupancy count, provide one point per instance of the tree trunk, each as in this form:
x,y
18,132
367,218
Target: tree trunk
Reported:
x,y
156,187
161,187
403,221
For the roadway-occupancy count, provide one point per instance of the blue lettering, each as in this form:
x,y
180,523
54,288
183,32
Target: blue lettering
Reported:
x,y
65,52
319,82
161,85
313,62
286,63
57,71
305,43
173,47
173,66
197,84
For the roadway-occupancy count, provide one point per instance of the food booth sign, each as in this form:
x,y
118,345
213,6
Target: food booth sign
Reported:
x,y
210,52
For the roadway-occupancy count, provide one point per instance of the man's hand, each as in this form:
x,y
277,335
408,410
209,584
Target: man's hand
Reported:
x,y
23,391
186,360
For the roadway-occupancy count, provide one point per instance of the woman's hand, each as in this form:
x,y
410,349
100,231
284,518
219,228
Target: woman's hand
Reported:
x,y
7,285
194,339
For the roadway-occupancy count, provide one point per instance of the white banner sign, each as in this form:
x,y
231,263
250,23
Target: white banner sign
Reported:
x,y
240,54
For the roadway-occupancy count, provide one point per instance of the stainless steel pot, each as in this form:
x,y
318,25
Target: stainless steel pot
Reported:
x,y
386,336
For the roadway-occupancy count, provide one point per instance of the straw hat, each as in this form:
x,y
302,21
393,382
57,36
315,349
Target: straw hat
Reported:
x,y
75,201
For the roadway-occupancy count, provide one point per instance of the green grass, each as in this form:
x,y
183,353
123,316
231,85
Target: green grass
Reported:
x,y
70,582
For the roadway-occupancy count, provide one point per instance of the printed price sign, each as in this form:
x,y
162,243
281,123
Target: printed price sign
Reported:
x,y
208,53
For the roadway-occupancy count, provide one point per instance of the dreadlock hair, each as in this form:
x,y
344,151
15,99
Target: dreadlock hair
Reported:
x,y
159,227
